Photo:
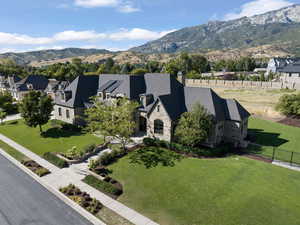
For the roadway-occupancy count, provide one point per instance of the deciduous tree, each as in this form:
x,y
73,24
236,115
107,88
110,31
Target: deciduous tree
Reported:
x,y
194,127
36,109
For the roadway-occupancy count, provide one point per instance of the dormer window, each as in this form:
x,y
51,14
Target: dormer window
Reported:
x,y
30,86
158,108
66,95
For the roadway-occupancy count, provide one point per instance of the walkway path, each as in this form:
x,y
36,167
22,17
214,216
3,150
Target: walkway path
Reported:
x,y
12,117
74,174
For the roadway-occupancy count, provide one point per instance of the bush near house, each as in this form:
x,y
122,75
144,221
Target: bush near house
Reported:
x,y
108,185
196,151
55,160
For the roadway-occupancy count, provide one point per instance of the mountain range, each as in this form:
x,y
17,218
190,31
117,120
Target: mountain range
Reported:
x,y
275,27
275,33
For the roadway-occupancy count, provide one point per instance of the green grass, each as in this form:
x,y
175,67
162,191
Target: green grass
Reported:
x,y
228,191
273,134
12,152
56,140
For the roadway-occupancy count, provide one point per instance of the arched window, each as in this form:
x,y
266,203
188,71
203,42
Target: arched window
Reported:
x,y
158,127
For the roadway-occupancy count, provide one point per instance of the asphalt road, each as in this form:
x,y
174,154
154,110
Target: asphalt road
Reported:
x,y
23,201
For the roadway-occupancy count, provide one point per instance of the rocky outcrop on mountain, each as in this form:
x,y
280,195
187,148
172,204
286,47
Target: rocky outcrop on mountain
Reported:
x,y
275,27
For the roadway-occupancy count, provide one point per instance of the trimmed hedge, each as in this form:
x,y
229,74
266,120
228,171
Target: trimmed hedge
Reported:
x,y
102,185
179,148
55,160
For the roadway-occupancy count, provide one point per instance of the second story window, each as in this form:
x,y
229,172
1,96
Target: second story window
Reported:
x,y
158,108
67,113
59,112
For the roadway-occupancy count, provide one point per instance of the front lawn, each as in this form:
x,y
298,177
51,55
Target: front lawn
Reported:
x,y
229,191
273,134
55,140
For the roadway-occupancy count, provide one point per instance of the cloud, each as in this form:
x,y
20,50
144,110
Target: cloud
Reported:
x,y
97,3
137,34
88,35
121,5
17,39
128,8
257,7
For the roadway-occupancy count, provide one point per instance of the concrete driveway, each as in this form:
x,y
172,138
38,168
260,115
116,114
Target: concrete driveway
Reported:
x,y
23,201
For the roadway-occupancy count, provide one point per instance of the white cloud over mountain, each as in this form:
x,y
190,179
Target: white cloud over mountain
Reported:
x,y
257,7
89,35
124,6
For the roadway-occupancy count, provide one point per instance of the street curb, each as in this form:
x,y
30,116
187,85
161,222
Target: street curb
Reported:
x,y
91,218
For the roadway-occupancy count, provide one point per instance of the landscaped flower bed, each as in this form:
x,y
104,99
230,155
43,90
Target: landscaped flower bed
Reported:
x,y
108,185
82,198
35,167
75,155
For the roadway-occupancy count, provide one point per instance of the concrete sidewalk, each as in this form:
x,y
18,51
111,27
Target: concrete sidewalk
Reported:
x,y
12,117
74,174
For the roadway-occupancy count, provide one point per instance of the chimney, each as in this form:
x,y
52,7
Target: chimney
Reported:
x,y
181,78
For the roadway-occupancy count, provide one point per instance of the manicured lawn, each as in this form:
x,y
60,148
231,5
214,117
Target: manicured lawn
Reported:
x,y
230,191
55,140
269,133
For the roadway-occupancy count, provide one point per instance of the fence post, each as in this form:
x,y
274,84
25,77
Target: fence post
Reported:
x,y
291,163
273,156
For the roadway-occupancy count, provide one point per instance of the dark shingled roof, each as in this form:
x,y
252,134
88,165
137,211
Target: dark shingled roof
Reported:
x,y
291,68
39,83
234,111
82,88
165,88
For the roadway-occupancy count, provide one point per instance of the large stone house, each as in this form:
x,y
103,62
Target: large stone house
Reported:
x,y
290,73
162,100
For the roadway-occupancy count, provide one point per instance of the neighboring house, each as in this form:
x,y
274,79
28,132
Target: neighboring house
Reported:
x,y
71,102
33,82
277,64
55,86
163,100
7,83
290,73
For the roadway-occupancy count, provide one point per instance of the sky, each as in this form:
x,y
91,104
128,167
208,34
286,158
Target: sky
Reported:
x,y
29,25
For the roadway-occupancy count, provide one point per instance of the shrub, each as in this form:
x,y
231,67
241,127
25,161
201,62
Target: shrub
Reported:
x,y
149,142
89,148
55,160
108,158
289,105
102,185
199,151
42,172
74,153
93,164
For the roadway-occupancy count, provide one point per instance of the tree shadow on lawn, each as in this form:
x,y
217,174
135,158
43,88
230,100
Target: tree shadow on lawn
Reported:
x,y
60,133
261,137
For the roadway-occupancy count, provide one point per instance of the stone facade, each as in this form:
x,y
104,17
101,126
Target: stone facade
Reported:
x,y
69,115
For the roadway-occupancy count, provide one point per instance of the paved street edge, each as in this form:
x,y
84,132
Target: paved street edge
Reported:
x,y
58,194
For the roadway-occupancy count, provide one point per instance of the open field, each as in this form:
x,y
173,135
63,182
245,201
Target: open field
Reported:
x,y
260,102
54,141
228,191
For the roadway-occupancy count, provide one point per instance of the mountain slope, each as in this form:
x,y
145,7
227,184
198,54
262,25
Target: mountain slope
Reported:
x,y
28,57
270,28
